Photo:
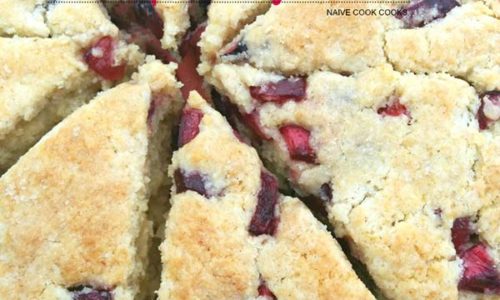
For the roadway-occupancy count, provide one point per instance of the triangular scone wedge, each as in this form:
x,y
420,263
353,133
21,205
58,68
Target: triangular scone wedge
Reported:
x,y
73,209
41,82
231,235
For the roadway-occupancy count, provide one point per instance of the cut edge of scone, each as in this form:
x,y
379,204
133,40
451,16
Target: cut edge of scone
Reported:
x,y
103,158
44,80
231,231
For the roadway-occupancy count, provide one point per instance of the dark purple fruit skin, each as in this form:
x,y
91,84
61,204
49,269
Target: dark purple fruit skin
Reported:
x,y
422,12
264,220
288,89
80,293
192,182
483,121
325,193
238,49
147,16
189,125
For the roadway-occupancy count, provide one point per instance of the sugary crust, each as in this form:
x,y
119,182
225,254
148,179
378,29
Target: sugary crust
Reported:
x,y
398,183
73,207
176,21
208,252
464,44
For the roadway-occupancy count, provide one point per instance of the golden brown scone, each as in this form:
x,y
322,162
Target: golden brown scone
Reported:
x,y
175,22
464,44
401,161
73,209
231,235
42,80
41,18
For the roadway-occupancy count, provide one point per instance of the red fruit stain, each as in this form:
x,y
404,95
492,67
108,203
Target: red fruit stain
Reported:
x,y
252,121
189,125
100,58
264,219
264,291
394,109
153,2
297,142
186,71
276,2
281,91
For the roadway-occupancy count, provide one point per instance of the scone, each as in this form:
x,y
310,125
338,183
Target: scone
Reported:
x,y
42,80
399,160
73,209
231,235
458,37
44,18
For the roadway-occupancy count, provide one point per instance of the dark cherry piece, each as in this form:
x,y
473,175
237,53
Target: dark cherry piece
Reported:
x,y
148,43
264,220
236,48
100,58
460,234
421,12
148,17
189,125
252,121
279,92
186,71
480,274
394,109
192,182
297,142
325,193
264,291
494,99
89,293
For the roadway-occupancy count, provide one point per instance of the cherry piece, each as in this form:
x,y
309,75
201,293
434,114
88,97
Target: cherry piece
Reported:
x,y
100,58
325,193
192,182
279,92
394,109
189,125
297,142
252,121
480,274
264,220
264,291
148,17
491,100
186,71
422,12
88,293
460,234
148,43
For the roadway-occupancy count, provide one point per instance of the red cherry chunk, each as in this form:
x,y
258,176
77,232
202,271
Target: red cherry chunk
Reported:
x,y
460,234
279,92
480,274
264,291
192,182
100,58
89,293
489,101
421,12
252,121
393,109
186,71
297,142
189,125
264,219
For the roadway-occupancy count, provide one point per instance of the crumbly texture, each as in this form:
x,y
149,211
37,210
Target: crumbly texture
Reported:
x,y
33,99
208,252
389,175
276,42
73,209
38,18
464,44
176,21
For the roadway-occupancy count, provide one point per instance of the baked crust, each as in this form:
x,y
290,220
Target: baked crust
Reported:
x,y
208,252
